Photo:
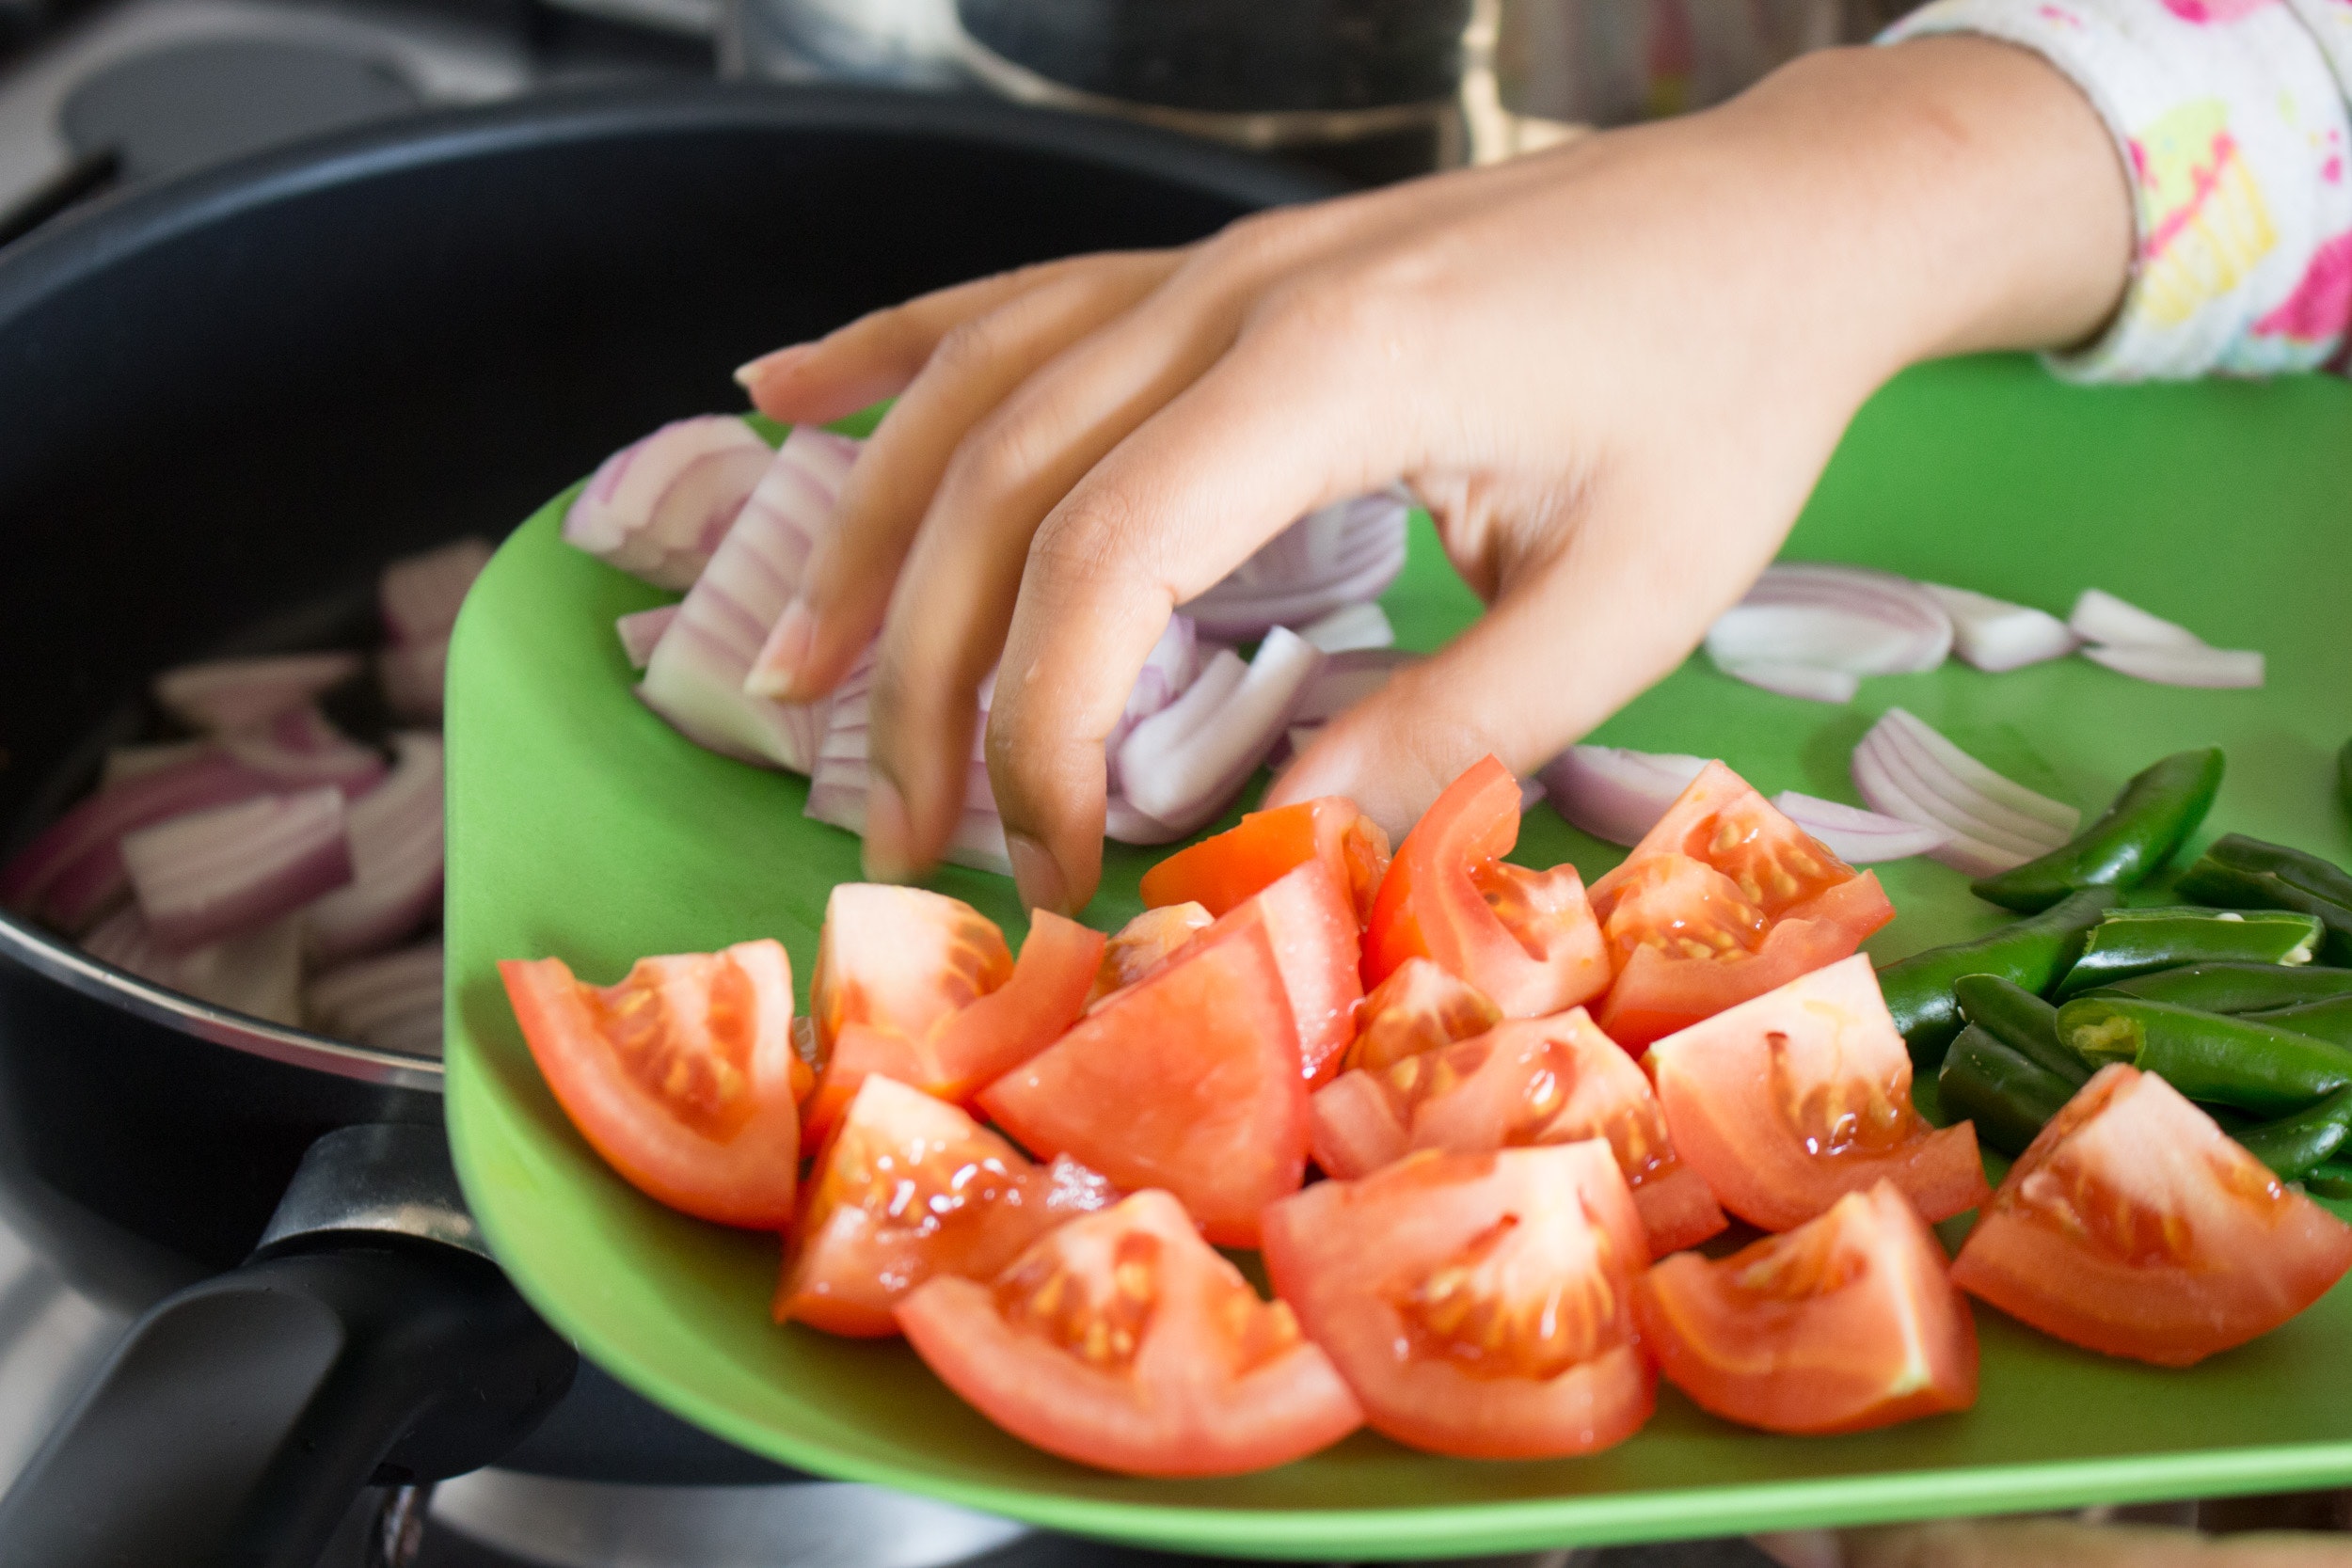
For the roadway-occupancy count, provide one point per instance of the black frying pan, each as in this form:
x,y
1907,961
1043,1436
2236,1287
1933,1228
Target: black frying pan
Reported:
x,y
223,404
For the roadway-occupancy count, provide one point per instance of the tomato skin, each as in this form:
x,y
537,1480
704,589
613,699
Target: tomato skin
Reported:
x,y
1532,1251
900,959
960,1052
1215,1384
2135,1227
1189,1081
1441,897
1744,1089
908,1187
742,1172
1525,1083
1309,925
1218,873
1847,1322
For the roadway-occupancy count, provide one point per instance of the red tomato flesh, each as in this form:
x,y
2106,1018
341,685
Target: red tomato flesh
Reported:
x,y
1535,1081
1189,1081
947,1051
908,1187
1479,1304
1308,924
1846,1323
1122,1342
1218,873
682,1075
2134,1226
1787,1102
1723,899
1526,939
1141,945
1417,1008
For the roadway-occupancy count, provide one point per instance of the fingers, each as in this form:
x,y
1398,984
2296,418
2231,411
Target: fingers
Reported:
x,y
878,355
972,368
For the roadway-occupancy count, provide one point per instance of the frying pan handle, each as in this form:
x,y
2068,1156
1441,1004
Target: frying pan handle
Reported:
x,y
241,1417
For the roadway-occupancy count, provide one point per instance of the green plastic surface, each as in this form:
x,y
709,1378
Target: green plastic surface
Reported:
x,y
581,826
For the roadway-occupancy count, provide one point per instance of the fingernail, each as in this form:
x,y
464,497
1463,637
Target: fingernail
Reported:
x,y
1803,1548
770,364
886,858
776,673
1036,873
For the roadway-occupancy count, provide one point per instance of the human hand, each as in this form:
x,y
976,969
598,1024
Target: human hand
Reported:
x,y
1613,372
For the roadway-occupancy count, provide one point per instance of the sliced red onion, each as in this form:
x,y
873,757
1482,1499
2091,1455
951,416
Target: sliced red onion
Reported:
x,y
697,676
2198,666
414,676
1167,671
639,631
1906,771
1346,679
302,747
1181,766
1811,682
1350,628
1123,823
1532,792
391,1002
214,874
397,844
1341,554
659,506
1994,634
838,783
239,693
257,974
1614,794
420,593
1856,836
130,762
2101,617
73,873
1801,617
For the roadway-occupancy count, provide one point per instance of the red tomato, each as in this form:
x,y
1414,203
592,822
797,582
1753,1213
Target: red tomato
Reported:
x,y
1218,873
1723,899
1121,1340
1137,948
1848,1322
680,1076
1189,1081
1554,1080
1311,930
946,1051
1479,1304
1527,939
1787,1102
2135,1227
901,958
1419,1008
908,1187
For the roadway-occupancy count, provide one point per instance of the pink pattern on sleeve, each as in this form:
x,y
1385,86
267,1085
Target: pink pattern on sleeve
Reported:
x,y
2321,306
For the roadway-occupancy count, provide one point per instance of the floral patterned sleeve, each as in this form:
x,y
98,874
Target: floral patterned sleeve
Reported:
x,y
2231,118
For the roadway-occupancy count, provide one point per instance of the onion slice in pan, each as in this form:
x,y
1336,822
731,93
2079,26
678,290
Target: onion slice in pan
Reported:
x,y
1615,794
396,833
214,874
1905,769
239,693
420,594
413,675
259,973
1995,634
391,1002
659,507
1856,836
301,747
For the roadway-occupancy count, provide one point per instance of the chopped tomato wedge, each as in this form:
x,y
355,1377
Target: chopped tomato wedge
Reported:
x,y
1789,1102
1554,1080
1722,900
682,1075
908,1187
1309,928
1187,1081
1526,939
1846,1323
1479,1304
1122,1342
2134,1226
1218,873
1138,948
937,1011
1419,1008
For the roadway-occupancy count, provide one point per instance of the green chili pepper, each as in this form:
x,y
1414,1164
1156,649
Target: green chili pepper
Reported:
x,y
2331,1180
2150,819
2030,953
2211,882
2020,1021
2329,1020
2295,1145
2139,941
2008,1097
2207,1056
2236,988
2295,867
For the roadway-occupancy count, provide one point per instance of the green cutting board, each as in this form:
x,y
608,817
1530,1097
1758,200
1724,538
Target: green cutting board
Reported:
x,y
581,826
